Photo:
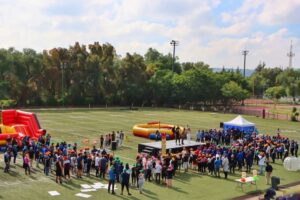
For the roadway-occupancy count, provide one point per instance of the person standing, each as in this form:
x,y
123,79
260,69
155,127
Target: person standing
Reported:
x,y
269,170
158,169
141,181
296,148
118,138
292,147
111,179
225,163
261,163
188,134
26,162
169,176
97,161
79,166
177,135
67,166
217,165
101,141
125,181
6,161
59,170
122,135
15,152
46,164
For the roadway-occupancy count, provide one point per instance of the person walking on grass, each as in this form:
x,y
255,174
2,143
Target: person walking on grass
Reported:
x,y
26,162
269,170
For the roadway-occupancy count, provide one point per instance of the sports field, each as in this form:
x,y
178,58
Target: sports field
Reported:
x,y
76,125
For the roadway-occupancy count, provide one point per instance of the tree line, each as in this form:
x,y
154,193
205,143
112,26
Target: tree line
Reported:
x,y
95,75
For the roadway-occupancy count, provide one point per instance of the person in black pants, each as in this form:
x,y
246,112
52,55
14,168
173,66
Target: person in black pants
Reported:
x,y
125,181
177,136
296,148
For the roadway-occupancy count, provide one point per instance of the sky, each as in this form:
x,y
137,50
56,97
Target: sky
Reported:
x,y
212,31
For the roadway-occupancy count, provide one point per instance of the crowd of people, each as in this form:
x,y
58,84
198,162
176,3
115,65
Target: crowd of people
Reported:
x,y
222,151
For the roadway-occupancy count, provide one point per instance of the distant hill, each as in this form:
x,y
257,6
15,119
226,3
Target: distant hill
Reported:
x,y
249,72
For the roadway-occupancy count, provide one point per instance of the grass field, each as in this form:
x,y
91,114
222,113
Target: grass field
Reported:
x,y
74,125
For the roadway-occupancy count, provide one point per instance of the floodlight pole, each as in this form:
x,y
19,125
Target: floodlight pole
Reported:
x,y
245,52
173,43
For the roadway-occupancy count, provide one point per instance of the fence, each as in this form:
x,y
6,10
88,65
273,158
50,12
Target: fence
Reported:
x,y
257,111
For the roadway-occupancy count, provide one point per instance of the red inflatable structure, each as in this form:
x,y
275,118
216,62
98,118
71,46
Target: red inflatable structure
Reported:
x,y
17,124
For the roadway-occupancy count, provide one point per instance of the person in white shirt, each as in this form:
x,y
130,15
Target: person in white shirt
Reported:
x,y
158,169
118,138
97,161
261,163
188,135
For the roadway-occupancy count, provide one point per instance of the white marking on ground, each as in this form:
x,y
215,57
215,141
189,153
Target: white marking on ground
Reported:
x,y
151,114
116,115
289,131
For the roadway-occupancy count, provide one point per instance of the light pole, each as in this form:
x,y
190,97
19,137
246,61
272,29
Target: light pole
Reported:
x,y
174,43
245,52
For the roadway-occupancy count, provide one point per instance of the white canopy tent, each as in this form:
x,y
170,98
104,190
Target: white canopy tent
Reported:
x,y
241,124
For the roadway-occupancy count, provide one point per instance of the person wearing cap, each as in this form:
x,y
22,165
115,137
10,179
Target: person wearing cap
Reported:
x,y
141,180
67,167
111,180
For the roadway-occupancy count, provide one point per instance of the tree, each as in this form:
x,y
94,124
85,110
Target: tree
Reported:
x,y
233,91
290,79
275,93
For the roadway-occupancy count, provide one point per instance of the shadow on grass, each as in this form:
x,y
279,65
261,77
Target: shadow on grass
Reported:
x,y
177,189
124,197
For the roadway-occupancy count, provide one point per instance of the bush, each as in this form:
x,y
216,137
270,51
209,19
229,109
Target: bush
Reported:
x,y
7,103
295,114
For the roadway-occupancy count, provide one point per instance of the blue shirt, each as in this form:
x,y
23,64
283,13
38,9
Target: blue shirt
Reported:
x,y
111,175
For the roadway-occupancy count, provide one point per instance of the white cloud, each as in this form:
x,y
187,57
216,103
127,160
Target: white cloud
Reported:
x,y
136,25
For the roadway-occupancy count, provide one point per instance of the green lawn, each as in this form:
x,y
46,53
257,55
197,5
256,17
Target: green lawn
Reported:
x,y
74,125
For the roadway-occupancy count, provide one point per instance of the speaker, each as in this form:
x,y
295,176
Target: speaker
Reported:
x,y
113,145
221,124
275,181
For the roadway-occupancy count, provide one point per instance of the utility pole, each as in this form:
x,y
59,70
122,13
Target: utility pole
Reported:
x,y
174,44
245,52
291,55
